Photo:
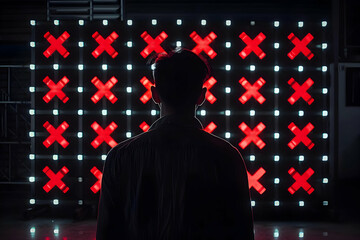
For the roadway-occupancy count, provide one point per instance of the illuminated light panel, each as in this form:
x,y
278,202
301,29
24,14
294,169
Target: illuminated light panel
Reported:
x,y
56,44
252,90
252,135
209,84
103,134
203,44
55,179
153,44
300,46
254,180
104,89
105,44
301,91
252,45
98,174
147,95
144,126
55,134
301,181
210,127
55,89
301,136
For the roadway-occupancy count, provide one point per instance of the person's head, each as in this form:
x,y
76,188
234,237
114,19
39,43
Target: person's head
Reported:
x,y
179,77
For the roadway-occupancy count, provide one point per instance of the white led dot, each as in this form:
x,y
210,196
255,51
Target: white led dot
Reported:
x,y
81,67
203,112
276,68
179,22
324,158
32,44
324,45
55,201
128,112
252,23
104,67
228,44
276,113
325,180
324,23
227,135
153,66
128,89
79,134
301,113
252,158
276,45
276,90
31,89
253,203
301,233
324,90
325,135
301,158
105,22
31,111
276,233
129,22
32,66
276,158
154,22
324,68
80,202
252,67
56,230
80,112
81,22
153,112
276,23
227,89
227,112
324,113
55,157
80,89
32,22
276,180
129,44
300,68
325,203
56,22
128,134
80,157
228,22
252,112
129,67
81,44
80,179
31,134
276,203
103,157
31,179
301,203
31,156
276,135
178,43
55,112
32,201
104,112
227,67
300,24
203,22
56,66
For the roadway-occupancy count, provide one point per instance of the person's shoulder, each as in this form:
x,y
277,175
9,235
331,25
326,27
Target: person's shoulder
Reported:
x,y
220,144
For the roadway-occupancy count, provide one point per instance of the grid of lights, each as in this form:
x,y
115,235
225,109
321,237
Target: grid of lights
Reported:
x,y
268,96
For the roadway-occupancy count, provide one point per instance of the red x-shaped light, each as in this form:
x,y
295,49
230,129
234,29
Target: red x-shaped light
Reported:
x,y
55,134
56,44
147,95
56,89
254,180
252,45
144,126
209,84
153,44
252,90
104,90
55,179
104,134
210,127
203,44
98,174
300,91
252,135
301,136
301,181
105,44
300,46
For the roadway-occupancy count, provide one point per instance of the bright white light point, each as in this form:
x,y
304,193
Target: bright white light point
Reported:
x,y
31,89
252,23
80,112
276,135
276,113
55,112
324,113
104,67
129,89
276,90
276,68
128,134
153,66
55,157
153,112
31,179
32,44
252,157
79,134
276,203
80,89
104,112
324,45
32,201
301,158
31,156
179,22
154,22
103,157
80,157
324,68
276,233
300,68
325,180
324,23
301,113
32,66
32,22
252,67
80,179
55,201
31,134
325,158
129,67
105,22
252,112
228,44
81,44
325,135
129,44
227,67
227,89
128,112
276,23
178,43
203,112
300,24
228,22
56,66
276,45
56,230
253,203
276,180
301,204
129,22
301,233
227,135
203,22
31,111
325,203
81,67
80,202
81,22
324,90
227,112
56,22
276,158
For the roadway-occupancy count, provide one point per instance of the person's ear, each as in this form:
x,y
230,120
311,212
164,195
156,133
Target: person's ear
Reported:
x,y
201,98
155,95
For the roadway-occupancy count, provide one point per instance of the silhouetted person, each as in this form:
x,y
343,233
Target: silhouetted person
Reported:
x,y
175,181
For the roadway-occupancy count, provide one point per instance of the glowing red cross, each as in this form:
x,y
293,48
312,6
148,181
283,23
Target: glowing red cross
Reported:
x,y
301,181
301,136
210,127
104,90
300,91
98,174
105,44
209,84
144,126
56,44
254,180
55,134
153,44
252,135
252,90
55,89
104,134
147,95
300,46
55,179
203,44
252,45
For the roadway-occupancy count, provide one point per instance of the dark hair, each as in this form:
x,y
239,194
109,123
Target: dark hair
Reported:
x,y
179,77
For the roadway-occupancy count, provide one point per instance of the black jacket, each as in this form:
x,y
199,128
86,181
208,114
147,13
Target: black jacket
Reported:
x,y
174,181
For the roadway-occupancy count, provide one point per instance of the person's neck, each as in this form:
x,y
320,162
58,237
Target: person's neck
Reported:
x,y
187,112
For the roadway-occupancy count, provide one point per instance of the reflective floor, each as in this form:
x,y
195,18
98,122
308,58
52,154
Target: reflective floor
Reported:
x,y
67,229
